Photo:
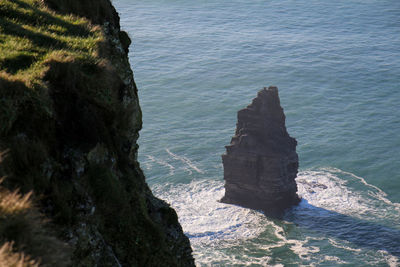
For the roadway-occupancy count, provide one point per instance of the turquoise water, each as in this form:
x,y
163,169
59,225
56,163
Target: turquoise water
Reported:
x,y
337,67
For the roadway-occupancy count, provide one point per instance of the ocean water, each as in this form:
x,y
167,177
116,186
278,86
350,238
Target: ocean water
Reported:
x,y
337,67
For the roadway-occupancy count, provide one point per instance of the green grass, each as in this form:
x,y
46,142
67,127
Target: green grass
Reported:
x,y
34,38
31,34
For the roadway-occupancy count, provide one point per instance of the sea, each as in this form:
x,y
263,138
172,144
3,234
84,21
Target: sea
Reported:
x,y
337,67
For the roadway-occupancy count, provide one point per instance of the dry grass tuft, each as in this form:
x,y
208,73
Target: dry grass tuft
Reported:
x,y
10,258
13,202
25,238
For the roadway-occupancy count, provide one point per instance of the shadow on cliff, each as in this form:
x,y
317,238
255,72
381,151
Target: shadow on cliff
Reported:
x,y
29,14
357,231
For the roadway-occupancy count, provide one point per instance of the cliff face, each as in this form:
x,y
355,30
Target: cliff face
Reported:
x,y
69,123
260,164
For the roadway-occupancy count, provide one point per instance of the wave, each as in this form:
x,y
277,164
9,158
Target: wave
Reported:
x,y
162,163
346,193
186,161
223,234
203,216
171,163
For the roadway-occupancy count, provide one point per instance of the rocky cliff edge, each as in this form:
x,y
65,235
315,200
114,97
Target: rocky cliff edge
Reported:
x,y
72,192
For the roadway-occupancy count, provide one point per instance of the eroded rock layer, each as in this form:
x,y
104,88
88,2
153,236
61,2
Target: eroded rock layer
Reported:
x,y
260,164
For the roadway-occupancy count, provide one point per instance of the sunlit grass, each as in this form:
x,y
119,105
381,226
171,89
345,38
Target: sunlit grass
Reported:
x,y
30,33
32,37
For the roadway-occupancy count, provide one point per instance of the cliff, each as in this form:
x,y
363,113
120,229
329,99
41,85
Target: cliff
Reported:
x,y
72,191
260,164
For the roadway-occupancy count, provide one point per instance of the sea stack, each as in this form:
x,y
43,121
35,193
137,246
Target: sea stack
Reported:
x,y
260,164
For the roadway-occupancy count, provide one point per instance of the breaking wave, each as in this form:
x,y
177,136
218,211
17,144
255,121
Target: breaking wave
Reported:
x,y
330,220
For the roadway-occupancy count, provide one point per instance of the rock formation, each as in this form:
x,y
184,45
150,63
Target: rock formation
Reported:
x,y
260,164
69,124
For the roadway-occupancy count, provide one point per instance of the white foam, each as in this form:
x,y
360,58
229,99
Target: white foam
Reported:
x,y
335,259
223,235
392,261
214,227
378,194
343,246
345,193
203,217
185,160
162,163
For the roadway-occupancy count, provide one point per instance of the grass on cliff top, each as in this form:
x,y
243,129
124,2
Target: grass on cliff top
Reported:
x,y
33,38
31,35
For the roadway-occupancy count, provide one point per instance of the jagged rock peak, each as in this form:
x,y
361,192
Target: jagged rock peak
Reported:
x,y
260,164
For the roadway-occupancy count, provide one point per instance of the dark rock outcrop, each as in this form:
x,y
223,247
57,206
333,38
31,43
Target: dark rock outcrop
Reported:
x,y
68,139
260,164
